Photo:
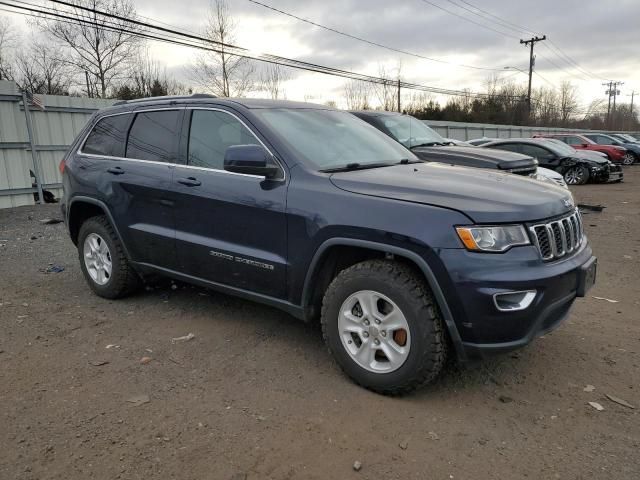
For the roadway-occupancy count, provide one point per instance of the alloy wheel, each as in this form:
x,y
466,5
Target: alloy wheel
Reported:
x,y
374,331
628,158
574,176
97,259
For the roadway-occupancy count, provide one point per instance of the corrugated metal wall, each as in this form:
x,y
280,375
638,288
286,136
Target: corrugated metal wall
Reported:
x,y
469,131
53,130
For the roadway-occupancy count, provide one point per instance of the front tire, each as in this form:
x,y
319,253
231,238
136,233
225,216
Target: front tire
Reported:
x,y
577,175
102,260
382,326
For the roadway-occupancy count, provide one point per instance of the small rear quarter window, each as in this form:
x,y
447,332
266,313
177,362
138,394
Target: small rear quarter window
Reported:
x,y
108,136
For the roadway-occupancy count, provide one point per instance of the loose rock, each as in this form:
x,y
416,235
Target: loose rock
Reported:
x,y
357,466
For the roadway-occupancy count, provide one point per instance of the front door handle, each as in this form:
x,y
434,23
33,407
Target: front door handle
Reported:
x,y
189,181
115,170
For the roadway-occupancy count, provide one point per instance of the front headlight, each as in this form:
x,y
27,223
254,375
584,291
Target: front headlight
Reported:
x,y
493,239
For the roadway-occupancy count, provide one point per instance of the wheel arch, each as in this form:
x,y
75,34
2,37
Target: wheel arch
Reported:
x,y
82,208
321,269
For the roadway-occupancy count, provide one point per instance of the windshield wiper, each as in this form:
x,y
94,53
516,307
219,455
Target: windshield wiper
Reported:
x,y
356,166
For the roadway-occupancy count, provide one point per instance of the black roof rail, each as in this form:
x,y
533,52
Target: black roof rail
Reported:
x,y
166,97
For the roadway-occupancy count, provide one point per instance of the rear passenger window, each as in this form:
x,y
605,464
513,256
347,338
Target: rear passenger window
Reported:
x,y
153,136
211,133
108,136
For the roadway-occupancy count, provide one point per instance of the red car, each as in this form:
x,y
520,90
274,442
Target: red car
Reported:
x,y
580,142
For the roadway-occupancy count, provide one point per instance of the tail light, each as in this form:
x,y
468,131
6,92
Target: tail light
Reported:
x,y
61,167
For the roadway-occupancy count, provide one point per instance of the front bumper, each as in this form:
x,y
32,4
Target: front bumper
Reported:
x,y
610,173
476,277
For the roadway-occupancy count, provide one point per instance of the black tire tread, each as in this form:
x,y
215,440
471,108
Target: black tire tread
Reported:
x,y
432,359
127,280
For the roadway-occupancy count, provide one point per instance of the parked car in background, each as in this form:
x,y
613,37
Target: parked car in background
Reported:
x,y
310,210
632,154
576,168
549,176
428,145
580,142
624,137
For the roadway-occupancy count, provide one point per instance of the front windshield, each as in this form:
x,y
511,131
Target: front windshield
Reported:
x,y
410,131
328,139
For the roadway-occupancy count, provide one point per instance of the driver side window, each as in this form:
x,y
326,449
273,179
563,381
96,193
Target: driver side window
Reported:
x,y
211,133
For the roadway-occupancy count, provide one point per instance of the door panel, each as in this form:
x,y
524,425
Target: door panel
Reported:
x,y
137,189
230,228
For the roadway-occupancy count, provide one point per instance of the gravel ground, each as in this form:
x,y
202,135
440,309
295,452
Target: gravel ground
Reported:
x,y
255,395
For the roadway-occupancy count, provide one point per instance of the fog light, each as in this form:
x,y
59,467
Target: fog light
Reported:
x,y
514,301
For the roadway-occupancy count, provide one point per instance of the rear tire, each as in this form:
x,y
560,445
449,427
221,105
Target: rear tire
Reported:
x,y
383,328
103,261
629,158
578,175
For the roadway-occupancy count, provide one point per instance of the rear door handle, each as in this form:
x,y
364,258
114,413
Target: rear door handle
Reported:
x,y
116,170
189,181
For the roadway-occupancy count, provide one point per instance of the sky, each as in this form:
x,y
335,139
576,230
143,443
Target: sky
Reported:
x,y
601,37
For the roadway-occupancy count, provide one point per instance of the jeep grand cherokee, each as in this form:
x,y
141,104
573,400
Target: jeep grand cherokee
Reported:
x,y
314,211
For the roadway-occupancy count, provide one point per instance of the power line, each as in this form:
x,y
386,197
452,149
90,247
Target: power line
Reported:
x,y
220,47
364,40
519,28
468,19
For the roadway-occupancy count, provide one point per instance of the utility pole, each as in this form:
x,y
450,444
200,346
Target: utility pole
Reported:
x,y
612,92
86,77
399,111
633,92
532,41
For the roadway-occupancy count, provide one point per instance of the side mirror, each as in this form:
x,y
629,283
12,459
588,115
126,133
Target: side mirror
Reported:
x,y
250,160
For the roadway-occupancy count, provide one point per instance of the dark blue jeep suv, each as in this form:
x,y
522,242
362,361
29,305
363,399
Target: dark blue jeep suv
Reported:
x,y
314,211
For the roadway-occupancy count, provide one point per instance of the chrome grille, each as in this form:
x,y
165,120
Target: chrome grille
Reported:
x,y
558,238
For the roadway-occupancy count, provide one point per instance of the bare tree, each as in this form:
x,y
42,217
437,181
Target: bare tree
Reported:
x,y
149,78
8,40
96,44
40,69
356,95
568,102
221,72
386,92
272,78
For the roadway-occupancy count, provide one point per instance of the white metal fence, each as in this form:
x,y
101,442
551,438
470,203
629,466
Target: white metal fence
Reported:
x,y
469,131
52,132
39,149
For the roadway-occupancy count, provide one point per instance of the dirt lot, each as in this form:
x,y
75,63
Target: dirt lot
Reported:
x,y
255,395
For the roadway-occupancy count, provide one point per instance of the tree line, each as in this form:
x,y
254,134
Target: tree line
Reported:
x,y
95,56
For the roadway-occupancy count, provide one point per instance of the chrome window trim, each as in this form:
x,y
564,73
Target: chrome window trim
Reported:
x,y
170,164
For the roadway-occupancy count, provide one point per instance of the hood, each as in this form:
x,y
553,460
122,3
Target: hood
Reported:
x,y
475,156
485,196
592,155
